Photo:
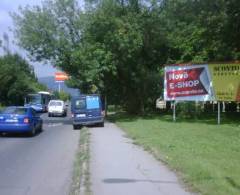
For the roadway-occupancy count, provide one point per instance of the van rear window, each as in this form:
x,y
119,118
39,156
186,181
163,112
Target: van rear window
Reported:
x,y
55,103
80,104
92,102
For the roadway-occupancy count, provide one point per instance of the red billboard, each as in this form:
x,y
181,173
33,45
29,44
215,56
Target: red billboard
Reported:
x,y
61,76
187,83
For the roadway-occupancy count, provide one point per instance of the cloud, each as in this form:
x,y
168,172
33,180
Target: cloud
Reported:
x,y
7,6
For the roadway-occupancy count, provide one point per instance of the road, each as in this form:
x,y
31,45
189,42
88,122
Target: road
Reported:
x,y
119,167
41,164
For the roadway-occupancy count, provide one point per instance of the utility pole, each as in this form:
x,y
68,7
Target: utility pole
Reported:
x,y
59,87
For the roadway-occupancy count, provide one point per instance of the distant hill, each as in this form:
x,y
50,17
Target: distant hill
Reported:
x,y
52,85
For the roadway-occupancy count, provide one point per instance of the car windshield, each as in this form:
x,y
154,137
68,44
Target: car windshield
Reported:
x,y
14,110
55,103
80,104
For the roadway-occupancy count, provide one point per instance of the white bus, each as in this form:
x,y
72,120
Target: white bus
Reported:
x,y
39,101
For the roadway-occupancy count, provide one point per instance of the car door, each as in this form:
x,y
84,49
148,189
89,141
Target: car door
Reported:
x,y
79,109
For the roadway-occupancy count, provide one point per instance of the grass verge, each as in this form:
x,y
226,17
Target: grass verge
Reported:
x,y
205,155
81,176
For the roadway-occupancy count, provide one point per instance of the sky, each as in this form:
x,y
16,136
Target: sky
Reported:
x,y
6,6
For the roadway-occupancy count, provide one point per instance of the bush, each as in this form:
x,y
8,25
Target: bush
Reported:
x,y
61,95
188,109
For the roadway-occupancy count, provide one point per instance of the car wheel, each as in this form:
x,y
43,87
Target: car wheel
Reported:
x,y
75,127
32,132
101,124
49,115
40,128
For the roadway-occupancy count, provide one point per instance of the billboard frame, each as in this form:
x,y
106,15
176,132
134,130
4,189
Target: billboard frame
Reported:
x,y
186,65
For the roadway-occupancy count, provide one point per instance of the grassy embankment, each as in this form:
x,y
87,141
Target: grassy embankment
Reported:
x,y
81,176
205,155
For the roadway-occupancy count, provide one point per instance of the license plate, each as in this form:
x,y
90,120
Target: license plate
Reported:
x,y
81,115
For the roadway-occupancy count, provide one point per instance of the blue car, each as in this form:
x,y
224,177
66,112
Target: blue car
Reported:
x,y
87,110
20,119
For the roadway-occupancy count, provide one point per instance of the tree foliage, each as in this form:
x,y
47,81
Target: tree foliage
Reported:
x,y
61,95
119,47
17,79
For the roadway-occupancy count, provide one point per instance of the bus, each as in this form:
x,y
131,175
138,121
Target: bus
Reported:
x,y
38,101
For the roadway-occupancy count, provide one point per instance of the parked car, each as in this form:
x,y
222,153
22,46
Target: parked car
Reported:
x,y
20,119
57,108
87,110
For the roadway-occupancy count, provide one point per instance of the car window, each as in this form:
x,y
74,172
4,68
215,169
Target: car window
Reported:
x,y
80,104
14,110
55,103
92,102
59,104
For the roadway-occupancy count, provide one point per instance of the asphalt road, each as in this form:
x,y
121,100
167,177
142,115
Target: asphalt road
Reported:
x,y
40,165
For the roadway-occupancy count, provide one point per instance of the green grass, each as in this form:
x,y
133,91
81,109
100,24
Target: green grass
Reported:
x,y
205,155
81,176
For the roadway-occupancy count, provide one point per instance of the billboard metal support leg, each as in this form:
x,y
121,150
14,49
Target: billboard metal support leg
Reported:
x,y
219,114
59,87
174,111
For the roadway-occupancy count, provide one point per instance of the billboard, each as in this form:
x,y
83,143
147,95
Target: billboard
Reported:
x,y
61,76
226,81
207,82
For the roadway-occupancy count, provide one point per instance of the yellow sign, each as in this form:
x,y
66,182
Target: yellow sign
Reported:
x,y
226,81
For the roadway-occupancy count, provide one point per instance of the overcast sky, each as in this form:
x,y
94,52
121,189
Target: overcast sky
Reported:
x,y
7,6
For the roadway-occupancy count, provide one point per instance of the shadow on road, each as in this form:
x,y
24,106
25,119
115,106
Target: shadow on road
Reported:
x,y
124,180
19,135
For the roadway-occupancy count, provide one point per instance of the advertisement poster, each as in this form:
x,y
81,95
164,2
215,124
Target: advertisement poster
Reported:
x,y
213,82
61,77
226,81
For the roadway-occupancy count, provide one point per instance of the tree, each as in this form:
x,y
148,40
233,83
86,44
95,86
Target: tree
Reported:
x,y
119,47
119,51
231,30
50,31
61,95
17,79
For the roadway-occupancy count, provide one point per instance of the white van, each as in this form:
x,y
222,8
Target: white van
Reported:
x,y
57,108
